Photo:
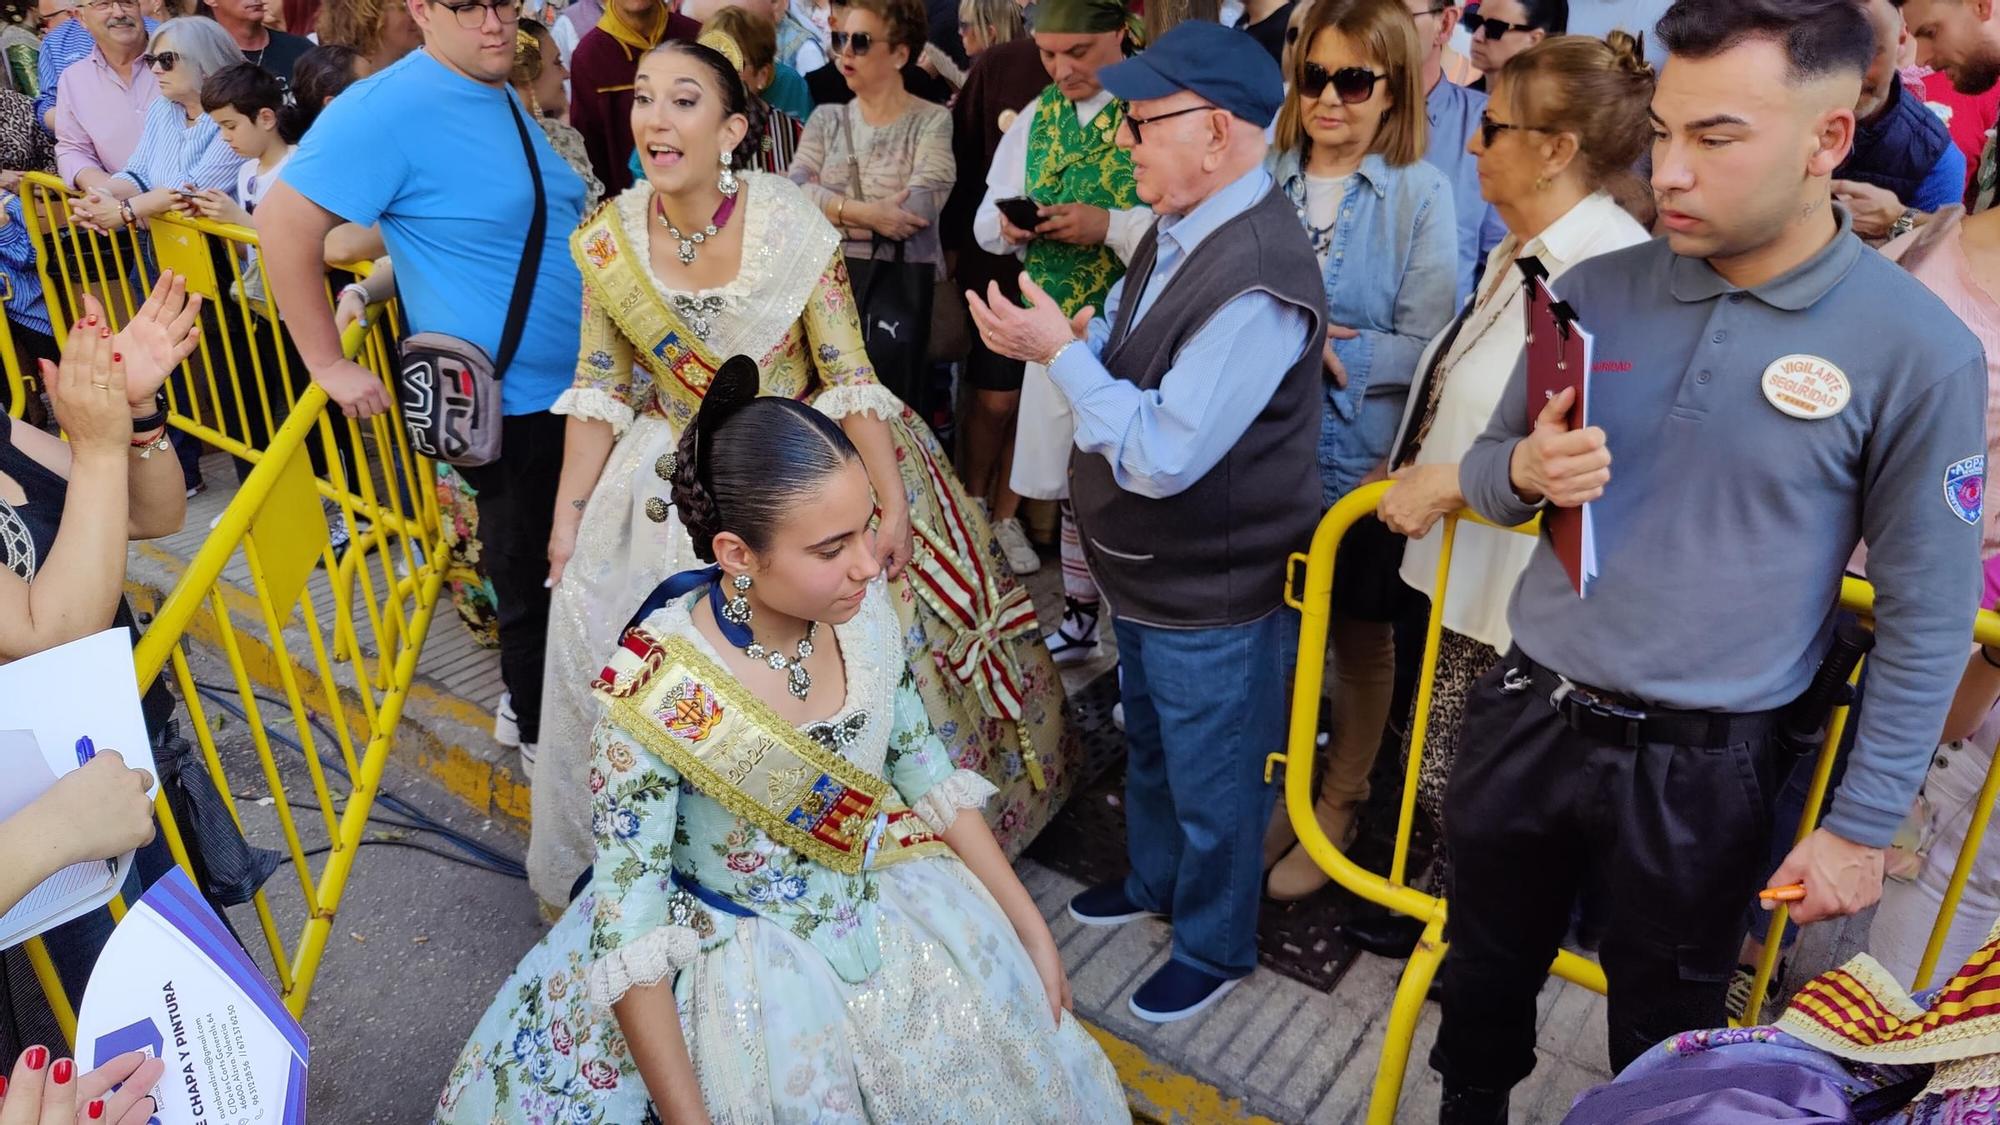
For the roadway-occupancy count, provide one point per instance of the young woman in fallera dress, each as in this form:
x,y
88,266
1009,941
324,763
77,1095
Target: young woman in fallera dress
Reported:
x,y
797,912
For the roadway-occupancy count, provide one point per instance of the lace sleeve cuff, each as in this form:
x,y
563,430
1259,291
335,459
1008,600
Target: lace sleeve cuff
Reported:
x,y
859,398
960,789
596,405
653,958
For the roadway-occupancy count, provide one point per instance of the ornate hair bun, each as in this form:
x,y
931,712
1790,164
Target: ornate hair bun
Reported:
x,y
723,45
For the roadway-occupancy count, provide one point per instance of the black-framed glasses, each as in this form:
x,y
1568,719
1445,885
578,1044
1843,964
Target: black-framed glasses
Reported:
x,y
851,42
1490,130
1476,24
471,15
164,60
1431,11
1351,84
1136,121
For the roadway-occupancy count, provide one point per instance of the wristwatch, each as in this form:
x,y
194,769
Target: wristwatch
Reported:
x,y
1905,222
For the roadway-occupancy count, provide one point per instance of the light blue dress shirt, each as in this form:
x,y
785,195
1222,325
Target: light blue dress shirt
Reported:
x,y
1161,441
25,303
174,152
1454,112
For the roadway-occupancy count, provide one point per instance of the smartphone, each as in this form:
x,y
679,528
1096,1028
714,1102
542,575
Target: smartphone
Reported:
x,y
1022,211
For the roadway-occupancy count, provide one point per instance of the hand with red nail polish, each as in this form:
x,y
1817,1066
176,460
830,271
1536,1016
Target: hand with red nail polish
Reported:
x,y
118,1093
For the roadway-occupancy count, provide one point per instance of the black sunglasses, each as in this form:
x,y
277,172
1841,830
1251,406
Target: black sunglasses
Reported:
x,y
165,60
1476,24
1135,121
858,42
1490,130
1351,84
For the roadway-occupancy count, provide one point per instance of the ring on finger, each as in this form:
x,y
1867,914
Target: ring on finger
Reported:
x,y
101,386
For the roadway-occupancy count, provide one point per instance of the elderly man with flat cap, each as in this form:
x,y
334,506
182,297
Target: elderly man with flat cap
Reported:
x,y
1196,399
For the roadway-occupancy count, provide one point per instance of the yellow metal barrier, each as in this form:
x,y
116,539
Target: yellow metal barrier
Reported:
x,y
1393,891
311,637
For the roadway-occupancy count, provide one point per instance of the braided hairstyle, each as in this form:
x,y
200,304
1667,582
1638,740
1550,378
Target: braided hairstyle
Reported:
x,y
745,462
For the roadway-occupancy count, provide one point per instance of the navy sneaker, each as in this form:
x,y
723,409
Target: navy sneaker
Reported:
x,y
1178,991
1106,905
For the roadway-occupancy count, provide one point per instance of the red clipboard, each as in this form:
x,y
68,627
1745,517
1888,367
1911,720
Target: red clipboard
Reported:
x,y
1559,353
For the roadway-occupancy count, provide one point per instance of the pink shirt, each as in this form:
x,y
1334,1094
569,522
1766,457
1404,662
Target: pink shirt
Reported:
x,y
100,114
1947,272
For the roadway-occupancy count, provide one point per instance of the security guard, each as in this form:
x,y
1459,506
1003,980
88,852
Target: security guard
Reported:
x,y
1773,391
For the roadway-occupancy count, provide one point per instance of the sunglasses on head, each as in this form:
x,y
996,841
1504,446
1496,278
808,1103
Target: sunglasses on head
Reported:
x,y
1476,24
1351,84
165,60
855,42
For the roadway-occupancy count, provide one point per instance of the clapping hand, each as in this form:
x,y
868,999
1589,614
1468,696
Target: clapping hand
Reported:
x,y
162,334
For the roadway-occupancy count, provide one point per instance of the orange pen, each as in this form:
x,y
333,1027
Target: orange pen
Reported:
x,y
1796,892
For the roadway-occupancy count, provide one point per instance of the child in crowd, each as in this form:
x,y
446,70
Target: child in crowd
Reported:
x,y
248,105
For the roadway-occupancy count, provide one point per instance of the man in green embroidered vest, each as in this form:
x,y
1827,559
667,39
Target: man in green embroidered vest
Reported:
x,y
1061,152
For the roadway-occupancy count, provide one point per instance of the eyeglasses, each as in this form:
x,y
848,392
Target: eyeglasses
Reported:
x,y
472,16
1490,130
1429,11
164,60
1351,84
1476,24
107,5
1136,121
856,43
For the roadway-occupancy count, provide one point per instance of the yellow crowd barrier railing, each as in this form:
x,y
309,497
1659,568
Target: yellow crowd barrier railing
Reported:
x,y
276,633
1310,592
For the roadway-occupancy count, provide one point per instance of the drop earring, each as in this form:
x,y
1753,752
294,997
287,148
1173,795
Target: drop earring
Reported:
x,y
736,610
726,182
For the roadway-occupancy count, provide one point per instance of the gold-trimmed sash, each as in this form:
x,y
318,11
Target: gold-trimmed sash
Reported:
x,y
730,745
620,284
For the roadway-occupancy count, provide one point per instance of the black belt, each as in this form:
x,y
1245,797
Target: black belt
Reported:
x,y
1621,720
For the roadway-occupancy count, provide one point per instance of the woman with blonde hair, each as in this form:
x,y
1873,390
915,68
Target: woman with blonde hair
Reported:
x,y
1567,120
983,24
750,41
1349,155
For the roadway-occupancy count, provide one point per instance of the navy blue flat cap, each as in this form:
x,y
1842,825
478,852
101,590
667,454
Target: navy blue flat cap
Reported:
x,y
1226,66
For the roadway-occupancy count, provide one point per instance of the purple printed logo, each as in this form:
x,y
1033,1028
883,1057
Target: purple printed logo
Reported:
x,y
1965,487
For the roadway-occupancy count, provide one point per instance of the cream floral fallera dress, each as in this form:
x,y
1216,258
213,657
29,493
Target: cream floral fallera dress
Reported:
x,y
897,994
968,630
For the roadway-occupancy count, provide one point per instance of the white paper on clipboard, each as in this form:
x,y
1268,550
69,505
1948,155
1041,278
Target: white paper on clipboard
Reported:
x,y
49,702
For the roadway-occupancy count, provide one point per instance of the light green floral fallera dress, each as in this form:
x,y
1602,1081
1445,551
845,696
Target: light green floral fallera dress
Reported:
x,y
899,994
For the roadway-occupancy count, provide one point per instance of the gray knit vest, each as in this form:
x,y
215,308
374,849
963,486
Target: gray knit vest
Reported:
x,y
1214,554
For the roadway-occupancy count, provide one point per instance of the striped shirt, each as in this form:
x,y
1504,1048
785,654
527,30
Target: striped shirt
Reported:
x,y
25,305
174,152
62,48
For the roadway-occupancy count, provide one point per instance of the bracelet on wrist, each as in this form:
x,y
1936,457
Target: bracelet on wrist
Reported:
x,y
158,444
147,436
1057,354
125,211
156,420
840,212
355,288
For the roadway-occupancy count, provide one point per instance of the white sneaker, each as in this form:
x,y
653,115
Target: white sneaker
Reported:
x,y
528,759
506,731
1118,715
1075,639
1021,555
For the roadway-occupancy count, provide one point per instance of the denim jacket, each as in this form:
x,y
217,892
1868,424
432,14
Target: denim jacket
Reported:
x,y
1398,227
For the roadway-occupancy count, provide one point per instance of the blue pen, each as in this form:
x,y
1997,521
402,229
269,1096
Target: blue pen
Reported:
x,y
85,750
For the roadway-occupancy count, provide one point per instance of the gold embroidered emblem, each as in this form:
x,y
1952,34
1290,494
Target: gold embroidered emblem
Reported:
x,y
601,249
691,711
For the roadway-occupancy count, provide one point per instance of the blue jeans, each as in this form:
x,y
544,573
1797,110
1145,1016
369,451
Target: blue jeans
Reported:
x,y
1202,709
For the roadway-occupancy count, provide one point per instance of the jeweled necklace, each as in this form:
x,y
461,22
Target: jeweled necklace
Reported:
x,y
798,681
689,241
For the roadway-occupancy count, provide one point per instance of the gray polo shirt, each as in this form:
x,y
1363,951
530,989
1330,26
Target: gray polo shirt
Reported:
x,y
1728,522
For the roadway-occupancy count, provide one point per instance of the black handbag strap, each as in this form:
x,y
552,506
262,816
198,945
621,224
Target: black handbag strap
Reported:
x,y
531,255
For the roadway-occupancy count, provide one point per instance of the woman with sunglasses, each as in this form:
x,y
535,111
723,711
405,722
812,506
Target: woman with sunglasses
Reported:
x,y
181,150
1501,29
1350,146
1567,116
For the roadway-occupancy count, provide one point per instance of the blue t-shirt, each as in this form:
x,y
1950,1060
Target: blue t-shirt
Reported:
x,y
454,200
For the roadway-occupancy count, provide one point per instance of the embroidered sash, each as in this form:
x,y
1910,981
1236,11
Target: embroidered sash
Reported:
x,y
727,743
944,572
1073,162
616,276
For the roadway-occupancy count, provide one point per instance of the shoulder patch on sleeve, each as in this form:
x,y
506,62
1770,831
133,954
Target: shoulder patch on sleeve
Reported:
x,y
1965,487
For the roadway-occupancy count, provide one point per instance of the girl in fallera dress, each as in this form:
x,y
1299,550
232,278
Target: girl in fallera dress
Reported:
x,y
703,260
796,911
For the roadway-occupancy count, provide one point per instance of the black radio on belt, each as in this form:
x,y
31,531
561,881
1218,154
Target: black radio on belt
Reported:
x,y
1804,725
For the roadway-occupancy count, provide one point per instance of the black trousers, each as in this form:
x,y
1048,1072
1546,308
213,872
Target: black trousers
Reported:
x,y
1672,837
517,502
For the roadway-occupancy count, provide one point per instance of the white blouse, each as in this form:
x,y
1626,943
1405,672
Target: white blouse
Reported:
x,y
1486,561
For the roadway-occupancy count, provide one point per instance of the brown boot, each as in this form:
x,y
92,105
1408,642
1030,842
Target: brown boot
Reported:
x,y
1296,876
1278,837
